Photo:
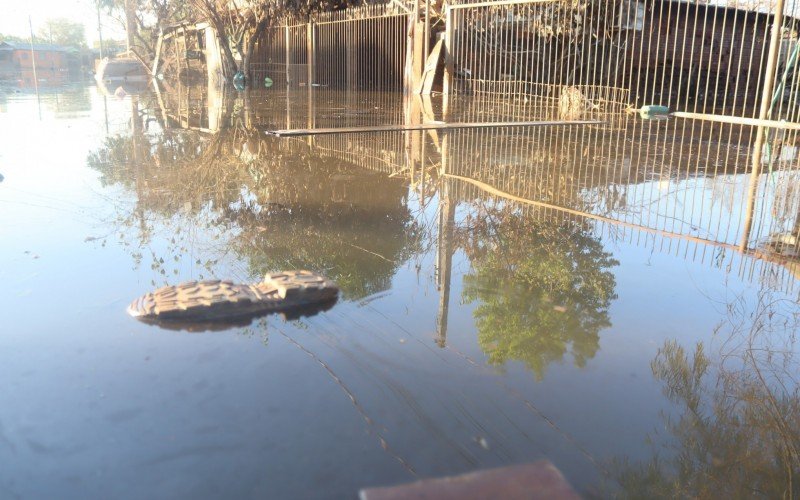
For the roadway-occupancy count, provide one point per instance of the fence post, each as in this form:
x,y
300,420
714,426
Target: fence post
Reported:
x,y
408,67
349,58
758,145
288,54
311,52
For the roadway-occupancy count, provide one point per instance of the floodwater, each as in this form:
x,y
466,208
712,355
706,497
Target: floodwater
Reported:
x,y
601,297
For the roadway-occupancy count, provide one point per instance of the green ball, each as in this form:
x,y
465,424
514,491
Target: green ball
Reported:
x,y
267,82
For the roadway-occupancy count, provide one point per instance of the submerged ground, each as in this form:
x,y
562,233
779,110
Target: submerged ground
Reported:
x,y
594,296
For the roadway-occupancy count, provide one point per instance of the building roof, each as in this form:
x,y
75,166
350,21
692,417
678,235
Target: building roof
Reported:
x,y
39,47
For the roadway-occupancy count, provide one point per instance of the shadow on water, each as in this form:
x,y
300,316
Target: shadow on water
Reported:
x,y
239,320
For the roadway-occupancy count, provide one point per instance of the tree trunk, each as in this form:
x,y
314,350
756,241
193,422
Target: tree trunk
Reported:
x,y
130,24
251,45
229,66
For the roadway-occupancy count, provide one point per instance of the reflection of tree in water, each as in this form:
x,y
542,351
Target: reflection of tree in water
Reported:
x,y
280,204
322,214
737,431
544,288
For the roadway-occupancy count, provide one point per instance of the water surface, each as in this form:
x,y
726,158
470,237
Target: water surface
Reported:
x,y
594,296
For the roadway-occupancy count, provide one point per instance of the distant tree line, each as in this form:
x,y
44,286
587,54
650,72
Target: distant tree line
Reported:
x,y
57,31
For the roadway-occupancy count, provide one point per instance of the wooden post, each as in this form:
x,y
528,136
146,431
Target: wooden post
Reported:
x,y
158,51
758,146
449,64
408,71
427,31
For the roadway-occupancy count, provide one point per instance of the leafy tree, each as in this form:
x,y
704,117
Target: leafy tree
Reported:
x,y
20,39
62,31
275,203
735,432
733,439
144,19
543,288
240,23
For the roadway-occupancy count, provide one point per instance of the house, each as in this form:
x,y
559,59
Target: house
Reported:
x,y
17,64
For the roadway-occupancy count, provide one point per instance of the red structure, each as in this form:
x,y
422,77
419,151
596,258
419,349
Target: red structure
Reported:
x,y
17,62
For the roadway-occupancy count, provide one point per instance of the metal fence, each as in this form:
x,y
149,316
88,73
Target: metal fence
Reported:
x,y
357,48
701,58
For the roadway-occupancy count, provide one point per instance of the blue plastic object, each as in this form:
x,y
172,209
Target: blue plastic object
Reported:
x,y
238,81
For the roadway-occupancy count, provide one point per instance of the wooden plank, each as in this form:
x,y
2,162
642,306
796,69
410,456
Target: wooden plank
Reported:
x,y
157,58
537,481
430,69
423,126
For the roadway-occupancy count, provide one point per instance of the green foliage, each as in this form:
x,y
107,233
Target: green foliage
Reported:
x,y
276,208
147,18
735,436
544,289
62,31
20,39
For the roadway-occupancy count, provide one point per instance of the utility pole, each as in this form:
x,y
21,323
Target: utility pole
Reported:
x,y
33,65
130,26
99,29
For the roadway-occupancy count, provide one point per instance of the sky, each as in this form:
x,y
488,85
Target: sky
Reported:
x,y
14,17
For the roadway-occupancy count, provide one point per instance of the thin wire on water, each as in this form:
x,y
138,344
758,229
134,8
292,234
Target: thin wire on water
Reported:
x,y
529,405
370,422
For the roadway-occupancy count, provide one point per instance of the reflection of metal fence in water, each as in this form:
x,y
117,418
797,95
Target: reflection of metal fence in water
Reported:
x,y
679,189
363,47
298,108
630,174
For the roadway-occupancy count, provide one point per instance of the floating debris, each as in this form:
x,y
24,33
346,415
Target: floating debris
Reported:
x,y
572,104
225,301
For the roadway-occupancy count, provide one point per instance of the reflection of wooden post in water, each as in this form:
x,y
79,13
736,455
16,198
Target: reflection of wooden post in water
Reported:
x,y
444,256
758,145
413,139
288,108
247,109
136,136
105,110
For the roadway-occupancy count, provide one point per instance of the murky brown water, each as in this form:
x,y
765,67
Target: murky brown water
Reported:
x,y
573,294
